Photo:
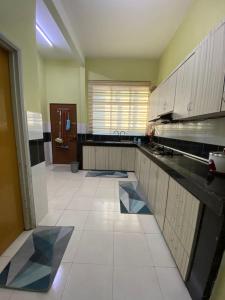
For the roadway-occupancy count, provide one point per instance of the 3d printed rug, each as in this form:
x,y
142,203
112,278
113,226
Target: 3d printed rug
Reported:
x,y
132,200
34,266
110,174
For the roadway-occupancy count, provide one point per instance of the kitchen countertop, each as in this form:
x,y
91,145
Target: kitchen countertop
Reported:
x,y
194,177
110,143
189,173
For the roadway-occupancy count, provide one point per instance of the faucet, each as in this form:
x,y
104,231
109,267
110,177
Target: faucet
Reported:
x,y
121,133
117,131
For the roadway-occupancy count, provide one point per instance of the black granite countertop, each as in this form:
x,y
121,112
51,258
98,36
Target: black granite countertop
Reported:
x,y
190,173
194,177
110,143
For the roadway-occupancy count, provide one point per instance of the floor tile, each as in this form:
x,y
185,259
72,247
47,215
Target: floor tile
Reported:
x,y
5,294
80,203
89,282
171,284
103,204
54,293
133,283
104,192
159,250
100,221
73,218
51,218
72,246
95,248
149,224
127,223
131,249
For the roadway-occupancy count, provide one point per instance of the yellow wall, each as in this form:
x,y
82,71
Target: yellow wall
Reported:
x,y
202,16
63,82
17,24
122,69
219,288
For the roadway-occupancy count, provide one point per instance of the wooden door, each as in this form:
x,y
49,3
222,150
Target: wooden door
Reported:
x,y
11,215
64,137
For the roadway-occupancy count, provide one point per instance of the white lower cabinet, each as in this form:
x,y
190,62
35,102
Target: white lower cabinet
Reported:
x,y
102,158
152,183
89,158
138,164
161,197
109,158
115,158
128,158
144,172
180,224
175,209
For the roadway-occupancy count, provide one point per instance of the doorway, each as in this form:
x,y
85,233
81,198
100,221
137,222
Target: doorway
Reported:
x,y
64,133
11,210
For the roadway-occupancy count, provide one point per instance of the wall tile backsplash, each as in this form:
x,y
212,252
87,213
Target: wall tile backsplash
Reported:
x,y
210,131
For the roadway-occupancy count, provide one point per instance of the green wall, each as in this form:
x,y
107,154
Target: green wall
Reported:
x,y
202,16
17,24
62,81
122,69
219,287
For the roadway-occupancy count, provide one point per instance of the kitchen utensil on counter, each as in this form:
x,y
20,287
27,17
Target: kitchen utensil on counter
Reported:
x,y
218,158
59,138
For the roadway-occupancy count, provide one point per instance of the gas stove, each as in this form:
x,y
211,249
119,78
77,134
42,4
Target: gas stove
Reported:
x,y
162,150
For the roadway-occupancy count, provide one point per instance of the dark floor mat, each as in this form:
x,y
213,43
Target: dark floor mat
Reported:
x,y
34,266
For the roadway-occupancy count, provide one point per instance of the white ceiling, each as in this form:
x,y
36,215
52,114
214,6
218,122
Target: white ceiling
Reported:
x,y
44,19
124,28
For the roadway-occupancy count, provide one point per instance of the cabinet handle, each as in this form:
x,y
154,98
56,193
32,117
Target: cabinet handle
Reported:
x,y
188,107
223,98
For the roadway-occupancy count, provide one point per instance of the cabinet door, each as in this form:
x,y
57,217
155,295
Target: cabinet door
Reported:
x,y
102,158
152,184
185,88
154,105
210,65
161,197
89,157
167,94
137,163
128,159
144,172
182,212
115,158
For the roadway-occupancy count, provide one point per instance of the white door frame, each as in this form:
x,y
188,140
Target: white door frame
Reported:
x,y
21,132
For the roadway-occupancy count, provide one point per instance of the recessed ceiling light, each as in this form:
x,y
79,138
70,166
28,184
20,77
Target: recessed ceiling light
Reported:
x,y
44,35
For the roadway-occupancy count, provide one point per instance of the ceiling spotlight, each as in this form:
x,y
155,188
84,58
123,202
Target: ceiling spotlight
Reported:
x,y
44,35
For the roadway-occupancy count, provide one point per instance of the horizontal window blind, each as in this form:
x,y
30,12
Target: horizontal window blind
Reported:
x,y
118,106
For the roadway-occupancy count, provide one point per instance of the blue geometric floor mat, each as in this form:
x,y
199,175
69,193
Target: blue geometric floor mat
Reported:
x,y
132,200
109,174
34,266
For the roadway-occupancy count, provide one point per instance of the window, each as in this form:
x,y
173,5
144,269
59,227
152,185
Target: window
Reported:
x,y
118,106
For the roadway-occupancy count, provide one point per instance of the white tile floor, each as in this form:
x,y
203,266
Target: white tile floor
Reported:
x,y
111,256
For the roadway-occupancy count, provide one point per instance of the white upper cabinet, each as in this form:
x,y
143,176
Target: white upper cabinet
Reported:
x,y
167,92
185,88
209,73
153,105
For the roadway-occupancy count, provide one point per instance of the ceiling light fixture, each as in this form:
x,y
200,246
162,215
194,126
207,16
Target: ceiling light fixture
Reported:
x,y
44,35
